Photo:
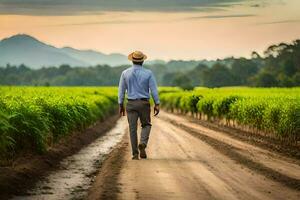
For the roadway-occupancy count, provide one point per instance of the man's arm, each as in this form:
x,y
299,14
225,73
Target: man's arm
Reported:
x,y
121,95
154,93
153,88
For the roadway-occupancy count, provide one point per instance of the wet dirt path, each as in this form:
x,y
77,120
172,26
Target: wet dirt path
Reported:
x,y
76,173
189,161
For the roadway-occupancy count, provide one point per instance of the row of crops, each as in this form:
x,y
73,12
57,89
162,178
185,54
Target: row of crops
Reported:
x,y
273,111
33,118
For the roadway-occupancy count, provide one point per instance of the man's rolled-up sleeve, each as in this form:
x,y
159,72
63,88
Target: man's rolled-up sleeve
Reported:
x,y
122,89
153,88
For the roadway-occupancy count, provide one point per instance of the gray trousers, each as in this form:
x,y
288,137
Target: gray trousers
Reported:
x,y
138,110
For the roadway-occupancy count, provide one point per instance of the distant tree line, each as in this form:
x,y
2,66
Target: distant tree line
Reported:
x,y
278,67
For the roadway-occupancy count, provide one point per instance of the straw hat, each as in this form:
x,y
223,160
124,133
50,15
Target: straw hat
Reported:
x,y
137,56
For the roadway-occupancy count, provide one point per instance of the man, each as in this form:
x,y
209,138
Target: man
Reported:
x,y
137,81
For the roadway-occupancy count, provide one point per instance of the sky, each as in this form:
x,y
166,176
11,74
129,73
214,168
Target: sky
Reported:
x,y
163,29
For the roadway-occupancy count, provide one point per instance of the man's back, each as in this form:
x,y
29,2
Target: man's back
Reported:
x,y
137,81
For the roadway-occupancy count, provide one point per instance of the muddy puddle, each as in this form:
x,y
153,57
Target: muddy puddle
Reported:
x,y
76,173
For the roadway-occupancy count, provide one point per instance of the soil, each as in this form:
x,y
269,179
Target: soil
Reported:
x,y
273,143
28,168
106,183
189,160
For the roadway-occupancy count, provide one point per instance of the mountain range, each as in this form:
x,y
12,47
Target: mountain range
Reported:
x,y
25,49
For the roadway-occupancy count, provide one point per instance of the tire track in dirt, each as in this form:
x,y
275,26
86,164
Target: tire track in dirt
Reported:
x,y
232,152
183,165
109,174
282,147
28,169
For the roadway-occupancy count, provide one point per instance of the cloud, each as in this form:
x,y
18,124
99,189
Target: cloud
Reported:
x,y
81,7
280,22
220,16
143,21
256,5
102,22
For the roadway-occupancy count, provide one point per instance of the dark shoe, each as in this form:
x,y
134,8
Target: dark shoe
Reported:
x,y
142,148
135,157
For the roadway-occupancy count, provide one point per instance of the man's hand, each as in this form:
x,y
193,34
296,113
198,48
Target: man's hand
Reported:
x,y
121,110
156,109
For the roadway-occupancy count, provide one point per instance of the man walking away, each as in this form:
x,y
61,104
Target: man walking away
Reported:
x,y
138,82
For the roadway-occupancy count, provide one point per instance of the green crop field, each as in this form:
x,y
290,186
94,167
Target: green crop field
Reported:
x,y
274,111
36,117
33,118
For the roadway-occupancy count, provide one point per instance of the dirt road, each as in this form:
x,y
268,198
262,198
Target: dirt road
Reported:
x,y
190,161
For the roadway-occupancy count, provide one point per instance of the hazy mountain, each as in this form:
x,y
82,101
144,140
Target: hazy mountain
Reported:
x,y
94,57
24,49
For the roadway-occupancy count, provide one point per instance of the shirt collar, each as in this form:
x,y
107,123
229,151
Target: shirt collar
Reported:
x,y
134,65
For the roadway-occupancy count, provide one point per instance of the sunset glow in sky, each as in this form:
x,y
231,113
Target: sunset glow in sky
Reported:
x,y
163,29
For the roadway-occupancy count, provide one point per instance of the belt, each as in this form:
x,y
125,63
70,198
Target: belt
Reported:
x,y
139,99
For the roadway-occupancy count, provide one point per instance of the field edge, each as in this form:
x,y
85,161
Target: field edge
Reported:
x,y
28,169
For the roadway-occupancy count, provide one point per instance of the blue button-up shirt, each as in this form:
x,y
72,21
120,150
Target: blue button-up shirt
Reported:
x,y
137,81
